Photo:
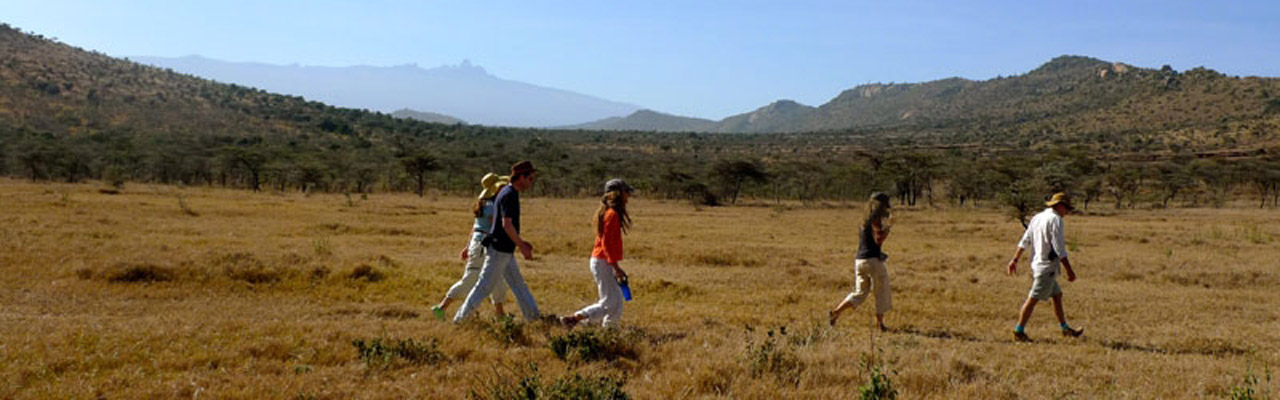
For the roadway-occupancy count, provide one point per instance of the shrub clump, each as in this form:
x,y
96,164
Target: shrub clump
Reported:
x,y
378,353
879,387
595,345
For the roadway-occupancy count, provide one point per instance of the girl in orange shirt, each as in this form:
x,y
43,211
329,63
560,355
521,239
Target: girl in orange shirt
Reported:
x,y
611,222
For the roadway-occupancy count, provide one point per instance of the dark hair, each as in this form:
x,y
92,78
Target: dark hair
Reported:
x,y
617,202
878,208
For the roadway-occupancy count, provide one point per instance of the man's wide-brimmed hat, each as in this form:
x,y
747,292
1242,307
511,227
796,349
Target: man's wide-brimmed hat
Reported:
x,y
523,167
617,185
491,183
880,197
1060,198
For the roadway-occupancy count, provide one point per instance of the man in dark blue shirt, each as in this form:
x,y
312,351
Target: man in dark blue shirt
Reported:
x,y
500,260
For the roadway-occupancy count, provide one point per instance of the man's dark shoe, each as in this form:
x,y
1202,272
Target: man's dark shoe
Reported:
x,y
1073,332
1021,337
569,321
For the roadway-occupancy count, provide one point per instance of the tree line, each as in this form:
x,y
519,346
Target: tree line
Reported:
x,y
705,169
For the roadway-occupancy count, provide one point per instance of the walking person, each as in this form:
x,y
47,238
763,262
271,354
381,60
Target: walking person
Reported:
x,y
869,264
501,244
1045,237
474,253
611,222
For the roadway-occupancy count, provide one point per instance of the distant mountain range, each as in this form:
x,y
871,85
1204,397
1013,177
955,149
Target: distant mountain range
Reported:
x,y
465,91
1067,94
1070,99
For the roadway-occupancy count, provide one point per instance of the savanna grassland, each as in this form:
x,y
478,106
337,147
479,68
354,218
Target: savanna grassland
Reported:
x,y
170,292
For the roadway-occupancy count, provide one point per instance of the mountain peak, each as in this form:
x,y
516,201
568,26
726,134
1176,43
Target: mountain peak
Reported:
x,y
1068,62
466,67
784,105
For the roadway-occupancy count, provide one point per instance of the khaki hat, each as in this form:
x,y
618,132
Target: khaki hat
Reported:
x,y
1060,197
491,183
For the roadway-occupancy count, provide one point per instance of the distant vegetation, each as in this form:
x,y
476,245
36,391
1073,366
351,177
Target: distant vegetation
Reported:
x,y
1108,132
426,116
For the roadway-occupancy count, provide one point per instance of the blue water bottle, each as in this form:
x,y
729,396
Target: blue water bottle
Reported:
x,y
626,289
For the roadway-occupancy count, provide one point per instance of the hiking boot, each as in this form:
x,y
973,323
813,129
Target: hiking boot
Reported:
x,y
1021,337
1072,332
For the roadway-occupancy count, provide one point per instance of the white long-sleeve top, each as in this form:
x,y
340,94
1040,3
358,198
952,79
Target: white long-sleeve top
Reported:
x,y
1045,237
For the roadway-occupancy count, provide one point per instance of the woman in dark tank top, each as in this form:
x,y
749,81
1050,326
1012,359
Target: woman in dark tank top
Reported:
x,y
872,276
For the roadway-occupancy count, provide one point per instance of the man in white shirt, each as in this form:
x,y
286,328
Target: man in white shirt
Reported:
x,y
1044,236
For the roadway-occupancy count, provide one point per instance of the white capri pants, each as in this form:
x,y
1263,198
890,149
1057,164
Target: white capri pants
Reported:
x,y
872,277
475,260
608,309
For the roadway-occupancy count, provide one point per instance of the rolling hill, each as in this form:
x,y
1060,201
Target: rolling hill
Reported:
x,y
1069,96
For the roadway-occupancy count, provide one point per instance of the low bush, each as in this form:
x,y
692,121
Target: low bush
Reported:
x,y
379,353
596,345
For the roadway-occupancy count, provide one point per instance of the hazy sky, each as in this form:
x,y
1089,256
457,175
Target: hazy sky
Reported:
x,y
707,59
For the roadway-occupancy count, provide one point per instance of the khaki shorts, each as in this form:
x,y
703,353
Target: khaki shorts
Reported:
x,y
1045,286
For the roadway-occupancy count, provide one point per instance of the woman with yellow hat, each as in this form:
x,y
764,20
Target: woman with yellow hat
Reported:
x,y
474,253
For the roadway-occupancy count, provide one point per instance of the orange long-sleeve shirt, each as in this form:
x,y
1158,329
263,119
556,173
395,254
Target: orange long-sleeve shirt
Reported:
x,y
609,244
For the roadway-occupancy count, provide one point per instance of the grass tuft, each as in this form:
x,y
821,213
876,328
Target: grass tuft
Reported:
x,y
366,272
773,356
527,383
136,273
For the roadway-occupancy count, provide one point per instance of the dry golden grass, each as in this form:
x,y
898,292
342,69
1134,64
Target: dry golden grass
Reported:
x,y
231,294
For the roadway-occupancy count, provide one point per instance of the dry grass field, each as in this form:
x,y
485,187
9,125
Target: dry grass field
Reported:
x,y
167,292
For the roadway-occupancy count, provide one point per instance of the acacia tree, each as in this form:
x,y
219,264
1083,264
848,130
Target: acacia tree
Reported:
x,y
735,172
418,165
1123,182
250,160
1173,177
1264,175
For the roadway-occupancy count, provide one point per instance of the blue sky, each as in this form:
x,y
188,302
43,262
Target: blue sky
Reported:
x,y
708,59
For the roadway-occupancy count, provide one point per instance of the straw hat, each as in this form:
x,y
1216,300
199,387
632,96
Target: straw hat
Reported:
x,y
491,182
1060,197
